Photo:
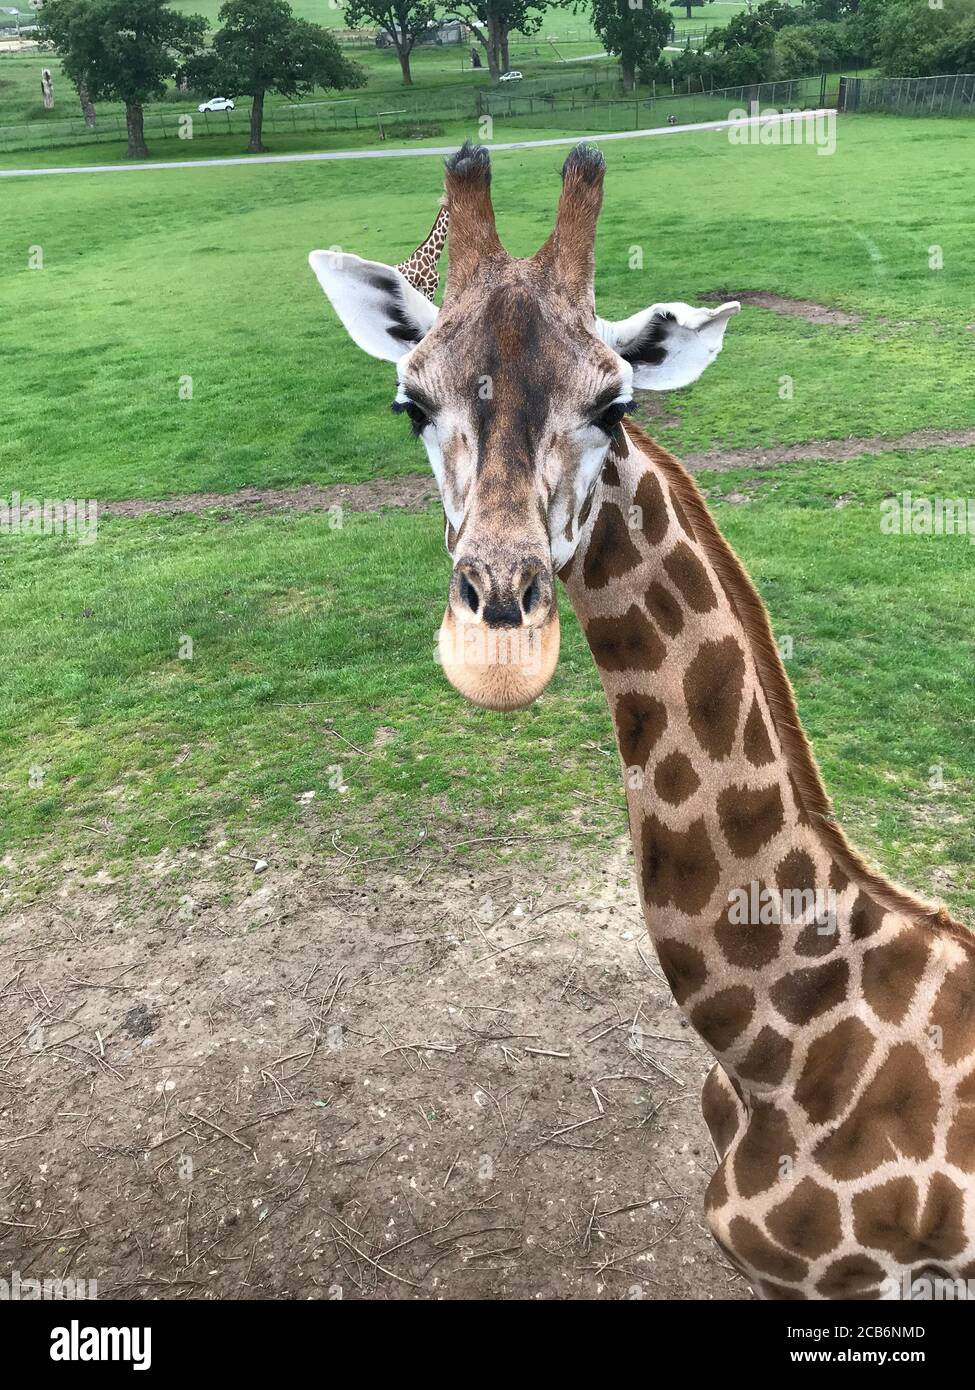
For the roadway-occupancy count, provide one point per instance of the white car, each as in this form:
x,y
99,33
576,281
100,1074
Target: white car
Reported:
x,y
512,76
216,104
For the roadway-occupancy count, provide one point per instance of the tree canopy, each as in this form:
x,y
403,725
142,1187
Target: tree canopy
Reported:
x,y
261,47
493,21
636,35
404,21
122,50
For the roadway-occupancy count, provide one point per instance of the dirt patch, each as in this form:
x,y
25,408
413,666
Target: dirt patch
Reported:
x,y
781,304
139,1022
412,492
822,450
468,1085
415,491
650,413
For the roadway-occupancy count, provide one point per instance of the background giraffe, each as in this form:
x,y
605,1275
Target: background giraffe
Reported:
x,y
422,269
843,1104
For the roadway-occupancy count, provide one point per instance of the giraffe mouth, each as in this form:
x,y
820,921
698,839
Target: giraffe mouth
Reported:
x,y
499,668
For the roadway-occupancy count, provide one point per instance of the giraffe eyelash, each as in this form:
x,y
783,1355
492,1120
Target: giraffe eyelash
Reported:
x,y
610,418
419,419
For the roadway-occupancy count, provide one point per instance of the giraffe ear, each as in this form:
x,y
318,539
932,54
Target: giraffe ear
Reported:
x,y
668,345
381,310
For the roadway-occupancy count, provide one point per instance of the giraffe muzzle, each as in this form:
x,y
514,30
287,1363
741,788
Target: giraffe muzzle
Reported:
x,y
499,639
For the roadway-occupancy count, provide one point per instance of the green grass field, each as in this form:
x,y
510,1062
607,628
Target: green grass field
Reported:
x,y
564,49
443,80
300,628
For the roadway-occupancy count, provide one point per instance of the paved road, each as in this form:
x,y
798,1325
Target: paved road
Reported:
x,y
327,155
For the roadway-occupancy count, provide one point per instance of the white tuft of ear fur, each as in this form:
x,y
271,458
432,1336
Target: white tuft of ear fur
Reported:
x,y
668,345
383,313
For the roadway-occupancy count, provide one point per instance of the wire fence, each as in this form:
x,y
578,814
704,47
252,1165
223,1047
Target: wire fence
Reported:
x,y
950,95
620,112
171,120
595,104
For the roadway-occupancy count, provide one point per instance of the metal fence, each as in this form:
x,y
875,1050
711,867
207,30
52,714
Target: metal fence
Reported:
x,y
451,102
596,104
952,95
642,112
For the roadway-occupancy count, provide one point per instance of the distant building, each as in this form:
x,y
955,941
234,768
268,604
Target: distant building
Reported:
x,y
447,31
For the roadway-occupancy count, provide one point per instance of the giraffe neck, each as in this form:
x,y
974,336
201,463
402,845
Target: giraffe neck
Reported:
x,y
422,268
753,898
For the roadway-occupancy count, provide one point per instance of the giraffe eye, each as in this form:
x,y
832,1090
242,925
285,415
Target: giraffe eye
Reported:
x,y
419,419
610,418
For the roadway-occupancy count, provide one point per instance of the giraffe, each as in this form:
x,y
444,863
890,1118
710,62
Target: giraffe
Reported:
x,y
422,269
839,1008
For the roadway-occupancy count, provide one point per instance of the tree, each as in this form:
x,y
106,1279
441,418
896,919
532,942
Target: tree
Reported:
x,y
916,41
492,22
636,35
746,64
795,52
404,21
87,105
829,10
685,5
756,30
263,48
865,24
957,52
122,50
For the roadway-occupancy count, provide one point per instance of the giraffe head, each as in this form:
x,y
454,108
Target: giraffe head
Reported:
x,y
517,391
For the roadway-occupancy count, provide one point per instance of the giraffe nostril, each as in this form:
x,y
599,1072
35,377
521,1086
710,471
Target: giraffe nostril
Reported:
x,y
469,596
531,596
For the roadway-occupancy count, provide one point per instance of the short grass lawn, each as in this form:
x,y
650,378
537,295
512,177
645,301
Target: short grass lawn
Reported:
x,y
311,663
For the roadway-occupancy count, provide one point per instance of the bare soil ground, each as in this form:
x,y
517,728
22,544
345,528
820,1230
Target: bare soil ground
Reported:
x,y
722,460
431,1081
414,491
784,304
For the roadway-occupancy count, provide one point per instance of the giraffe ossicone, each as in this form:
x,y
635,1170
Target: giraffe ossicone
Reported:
x,y
842,1102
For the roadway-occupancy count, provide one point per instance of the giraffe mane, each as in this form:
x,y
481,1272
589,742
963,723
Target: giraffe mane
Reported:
x,y
754,617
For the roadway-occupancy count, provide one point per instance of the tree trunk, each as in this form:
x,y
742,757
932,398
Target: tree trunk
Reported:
x,y
628,69
505,59
87,106
257,124
494,45
135,127
404,62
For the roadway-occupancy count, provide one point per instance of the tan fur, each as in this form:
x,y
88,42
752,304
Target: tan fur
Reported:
x,y
843,1106
779,692
421,269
